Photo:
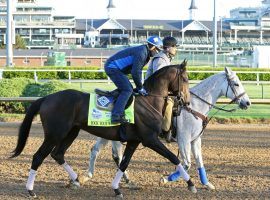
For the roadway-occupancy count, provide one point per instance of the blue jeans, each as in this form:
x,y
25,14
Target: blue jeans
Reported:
x,y
124,86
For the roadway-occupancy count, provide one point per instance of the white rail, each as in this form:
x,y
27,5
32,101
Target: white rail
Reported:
x,y
35,75
31,99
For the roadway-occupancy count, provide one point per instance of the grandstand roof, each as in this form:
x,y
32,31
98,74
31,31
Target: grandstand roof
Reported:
x,y
148,24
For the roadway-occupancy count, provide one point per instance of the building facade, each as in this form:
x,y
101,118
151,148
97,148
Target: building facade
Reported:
x,y
39,25
42,28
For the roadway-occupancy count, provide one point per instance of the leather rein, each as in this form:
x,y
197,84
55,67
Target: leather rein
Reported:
x,y
204,118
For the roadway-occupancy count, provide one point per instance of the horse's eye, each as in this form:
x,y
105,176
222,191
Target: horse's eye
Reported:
x,y
236,84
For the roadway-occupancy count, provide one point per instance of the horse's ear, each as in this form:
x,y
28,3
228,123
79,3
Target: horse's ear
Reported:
x,y
228,71
184,64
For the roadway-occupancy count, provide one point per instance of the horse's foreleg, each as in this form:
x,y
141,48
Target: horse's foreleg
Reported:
x,y
117,157
129,151
185,150
156,145
197,153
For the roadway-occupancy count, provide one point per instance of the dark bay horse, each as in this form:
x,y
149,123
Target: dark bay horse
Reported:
x,y
64,113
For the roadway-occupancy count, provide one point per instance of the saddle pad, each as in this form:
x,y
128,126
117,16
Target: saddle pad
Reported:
x,y
101,117
104,102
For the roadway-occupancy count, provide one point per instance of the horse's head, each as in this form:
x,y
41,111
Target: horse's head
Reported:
x,y
172,78
180,85
235,90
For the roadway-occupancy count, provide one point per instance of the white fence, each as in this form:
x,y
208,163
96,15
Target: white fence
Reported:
x,y
35,76
31,99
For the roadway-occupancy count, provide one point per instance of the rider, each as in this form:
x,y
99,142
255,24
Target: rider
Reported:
x,y
160,60
129,61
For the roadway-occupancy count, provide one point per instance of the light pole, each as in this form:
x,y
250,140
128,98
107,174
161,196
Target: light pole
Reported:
x,y
215,36
221,41
9,50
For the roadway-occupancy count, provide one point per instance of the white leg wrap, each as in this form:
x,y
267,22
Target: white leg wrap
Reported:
x,y
70,171
31,179
117,179
183,172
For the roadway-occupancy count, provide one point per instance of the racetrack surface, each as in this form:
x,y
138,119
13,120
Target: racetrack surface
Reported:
x,y
236,157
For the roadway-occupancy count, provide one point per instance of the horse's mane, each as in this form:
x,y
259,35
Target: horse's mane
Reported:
x,y
155,76
205,83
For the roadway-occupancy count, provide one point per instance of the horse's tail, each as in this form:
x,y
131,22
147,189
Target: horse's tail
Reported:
x,y
25,126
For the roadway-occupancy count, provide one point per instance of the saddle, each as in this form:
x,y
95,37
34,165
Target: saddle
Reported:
x,y
105,99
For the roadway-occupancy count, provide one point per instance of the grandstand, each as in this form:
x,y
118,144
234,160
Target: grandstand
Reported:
x,y
244,28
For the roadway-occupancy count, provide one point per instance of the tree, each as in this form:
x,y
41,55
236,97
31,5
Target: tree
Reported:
x,y
19,43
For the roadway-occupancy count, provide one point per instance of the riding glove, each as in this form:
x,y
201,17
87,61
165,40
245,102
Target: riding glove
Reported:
x,y
143,92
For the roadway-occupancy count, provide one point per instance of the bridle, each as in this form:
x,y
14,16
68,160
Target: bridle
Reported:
x,y
179,94
205,119
231,85
236,97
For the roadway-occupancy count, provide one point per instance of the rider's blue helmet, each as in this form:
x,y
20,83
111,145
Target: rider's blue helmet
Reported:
x,y
155,41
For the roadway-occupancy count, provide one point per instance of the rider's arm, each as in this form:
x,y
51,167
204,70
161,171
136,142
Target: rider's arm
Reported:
x,y
159,63
136,71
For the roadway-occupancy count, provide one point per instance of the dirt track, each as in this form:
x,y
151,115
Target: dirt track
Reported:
x,y
237,159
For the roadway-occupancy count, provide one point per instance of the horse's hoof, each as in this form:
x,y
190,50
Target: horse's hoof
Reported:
x,y
192,189
163,181
74,184
90,175
210,186
32,194
118,194
84,178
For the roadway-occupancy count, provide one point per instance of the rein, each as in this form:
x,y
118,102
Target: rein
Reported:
x,y
216,107
205,119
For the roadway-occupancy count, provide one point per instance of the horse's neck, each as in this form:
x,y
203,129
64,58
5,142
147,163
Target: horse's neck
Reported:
x,y
209,90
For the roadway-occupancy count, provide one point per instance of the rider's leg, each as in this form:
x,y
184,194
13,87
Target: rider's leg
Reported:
x,y
124,86
100,143
167,119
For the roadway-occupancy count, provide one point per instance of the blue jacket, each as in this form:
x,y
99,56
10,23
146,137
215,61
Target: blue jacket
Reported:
x,y
131,61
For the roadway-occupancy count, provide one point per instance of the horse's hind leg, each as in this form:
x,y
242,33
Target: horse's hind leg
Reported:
x,y
129,151
100,143
117,156
38,158
160,148
59,151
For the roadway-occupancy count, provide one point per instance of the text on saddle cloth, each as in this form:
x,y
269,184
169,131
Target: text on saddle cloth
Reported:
x,y
100,111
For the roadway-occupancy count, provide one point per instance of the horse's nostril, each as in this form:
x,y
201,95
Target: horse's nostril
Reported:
x,y
248,103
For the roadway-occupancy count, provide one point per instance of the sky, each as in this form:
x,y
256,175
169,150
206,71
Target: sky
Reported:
x,y
147,9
